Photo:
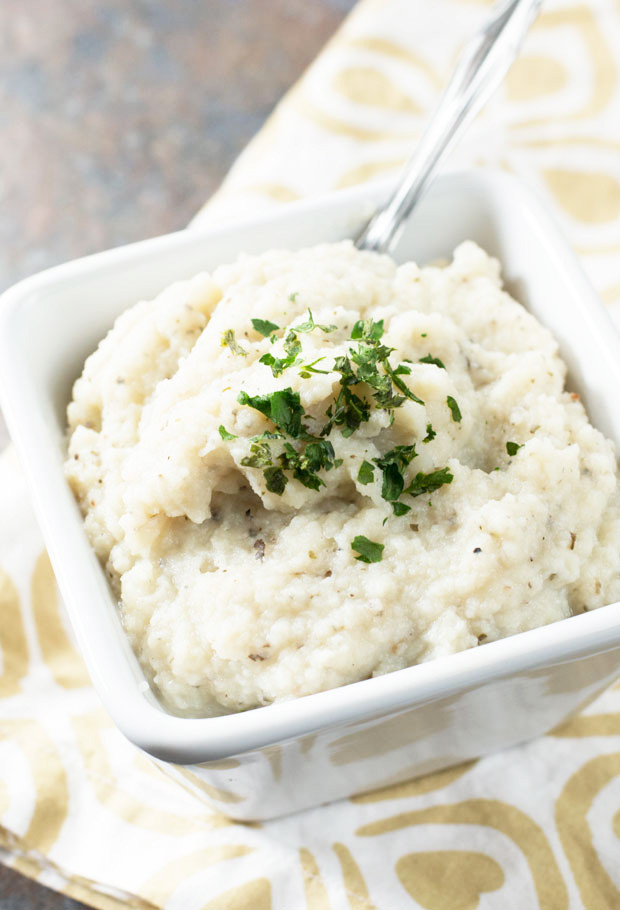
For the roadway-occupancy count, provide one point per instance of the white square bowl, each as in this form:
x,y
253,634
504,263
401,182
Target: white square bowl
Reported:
x,y
291,755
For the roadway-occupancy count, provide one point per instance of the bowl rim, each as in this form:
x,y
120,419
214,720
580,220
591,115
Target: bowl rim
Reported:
x,y
194,740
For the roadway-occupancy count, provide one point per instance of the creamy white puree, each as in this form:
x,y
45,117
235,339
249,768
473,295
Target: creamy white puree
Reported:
x,y
234,596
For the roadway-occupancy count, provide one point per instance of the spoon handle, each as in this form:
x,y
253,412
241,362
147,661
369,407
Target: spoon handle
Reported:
x,y
480,69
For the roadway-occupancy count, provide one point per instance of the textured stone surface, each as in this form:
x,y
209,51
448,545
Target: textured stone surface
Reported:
x,y
19,893
119,118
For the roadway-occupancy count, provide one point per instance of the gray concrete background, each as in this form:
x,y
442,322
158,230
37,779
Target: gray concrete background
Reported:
x,y
118,119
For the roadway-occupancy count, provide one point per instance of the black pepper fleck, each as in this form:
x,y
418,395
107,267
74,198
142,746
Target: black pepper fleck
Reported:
x,y
259,546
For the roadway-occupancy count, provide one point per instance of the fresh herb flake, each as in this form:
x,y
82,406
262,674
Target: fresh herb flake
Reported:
x,y
366,473
433,360
400,385
224,433
277,364
348,411
266,435
400,508
392,465
430,433
283,407
292,346
513,447
286,411
229,340
393,482
368,550
310,325
401,455
260,457
260,403
428,483
307,369
367,330
454,409
265,327
305,464
275,480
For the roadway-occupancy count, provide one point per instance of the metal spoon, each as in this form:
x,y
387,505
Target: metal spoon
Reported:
x,y
480,70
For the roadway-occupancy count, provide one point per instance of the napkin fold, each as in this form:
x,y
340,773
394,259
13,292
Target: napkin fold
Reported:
x,y
537,826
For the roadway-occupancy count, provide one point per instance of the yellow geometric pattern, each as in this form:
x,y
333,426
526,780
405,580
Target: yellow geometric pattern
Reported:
x,y
535,827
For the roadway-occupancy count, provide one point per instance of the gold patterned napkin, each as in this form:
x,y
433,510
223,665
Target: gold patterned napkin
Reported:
x,y
537,826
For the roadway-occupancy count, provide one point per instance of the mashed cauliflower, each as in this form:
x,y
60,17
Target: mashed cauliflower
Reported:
x,y
314,467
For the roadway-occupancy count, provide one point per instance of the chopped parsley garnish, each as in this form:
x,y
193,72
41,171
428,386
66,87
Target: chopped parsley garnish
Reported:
x,y
367,381
368,358
368,550
368,364
348,411
277,364
275,479
229,340
264,327
286,411
454,409
367,330
513,447
292,347
267,435
260,457
392,464
428,483
306,369
430,433
309,325
283,407
434,360
365,359
293,297
366,473
400,385
306,464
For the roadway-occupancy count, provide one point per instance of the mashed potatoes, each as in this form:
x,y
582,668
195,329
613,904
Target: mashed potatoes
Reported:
x,y
314,467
